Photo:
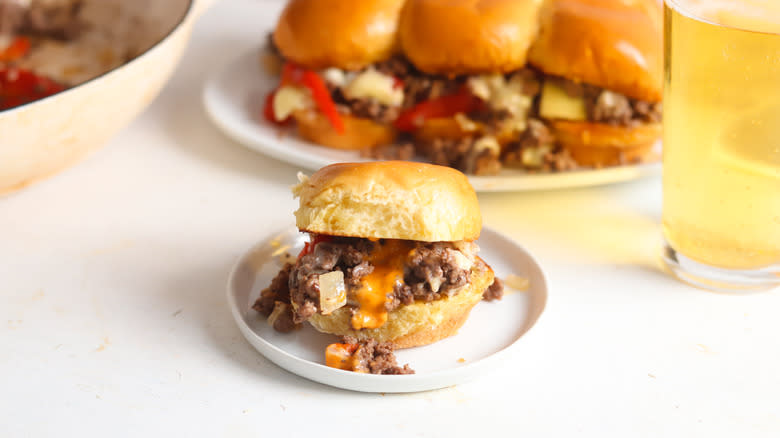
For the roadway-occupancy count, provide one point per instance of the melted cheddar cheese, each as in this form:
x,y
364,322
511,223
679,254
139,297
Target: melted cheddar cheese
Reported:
x,y
388,259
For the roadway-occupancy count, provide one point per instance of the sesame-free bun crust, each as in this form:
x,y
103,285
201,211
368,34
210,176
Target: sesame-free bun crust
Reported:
x,y
601,145
359,133
468,36
346,34
419,323
612,44
390,200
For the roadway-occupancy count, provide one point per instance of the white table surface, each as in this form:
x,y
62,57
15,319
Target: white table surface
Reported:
x,y
113,320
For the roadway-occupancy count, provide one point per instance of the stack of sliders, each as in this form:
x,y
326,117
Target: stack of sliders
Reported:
x,y
391,261
473,84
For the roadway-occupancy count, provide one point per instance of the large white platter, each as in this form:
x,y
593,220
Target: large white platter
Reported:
x,y
491,332
234,95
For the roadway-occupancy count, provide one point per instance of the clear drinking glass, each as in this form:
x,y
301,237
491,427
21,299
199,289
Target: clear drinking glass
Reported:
x,y
721,177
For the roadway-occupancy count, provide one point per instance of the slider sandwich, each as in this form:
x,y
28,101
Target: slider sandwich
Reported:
x,y
602,62
391,257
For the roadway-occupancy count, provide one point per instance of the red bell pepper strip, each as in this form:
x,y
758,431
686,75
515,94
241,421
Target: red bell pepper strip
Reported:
x,y
16,50
444,106
291,75
322,98
295,75
19,86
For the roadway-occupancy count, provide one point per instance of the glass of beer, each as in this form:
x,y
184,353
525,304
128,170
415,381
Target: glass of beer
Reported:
x,y
721,159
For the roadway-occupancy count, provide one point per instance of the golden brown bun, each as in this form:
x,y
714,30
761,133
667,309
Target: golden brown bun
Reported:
x,y
612,44
468,36
359,133
599,144
389,200
419,323
346,34
445,128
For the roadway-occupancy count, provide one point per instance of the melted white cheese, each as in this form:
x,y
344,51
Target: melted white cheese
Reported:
x,y
375,85
290,99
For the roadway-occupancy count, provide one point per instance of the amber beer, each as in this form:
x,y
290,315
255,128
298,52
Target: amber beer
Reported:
x,y
721,182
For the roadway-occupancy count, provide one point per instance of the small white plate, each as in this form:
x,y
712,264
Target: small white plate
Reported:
x,y
448,362
234,97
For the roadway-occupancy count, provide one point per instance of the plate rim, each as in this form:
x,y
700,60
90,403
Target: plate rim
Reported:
x,y
495,183
371,382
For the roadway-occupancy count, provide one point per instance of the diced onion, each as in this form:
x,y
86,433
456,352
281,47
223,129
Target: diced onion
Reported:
x,y
534,156
469,249
435,283
487,142
333,292
334,76
516,282
461,260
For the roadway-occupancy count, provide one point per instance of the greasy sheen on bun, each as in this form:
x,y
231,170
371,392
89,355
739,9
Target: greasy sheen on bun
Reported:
x,y
338,33
616,45
419,323
359,133
454,37
389,200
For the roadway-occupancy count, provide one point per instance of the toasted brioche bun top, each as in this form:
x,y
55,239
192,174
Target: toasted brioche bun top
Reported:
x,y
346,34
455,37
389,200
613,44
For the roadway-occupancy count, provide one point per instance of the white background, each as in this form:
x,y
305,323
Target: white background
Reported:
x,y
113,320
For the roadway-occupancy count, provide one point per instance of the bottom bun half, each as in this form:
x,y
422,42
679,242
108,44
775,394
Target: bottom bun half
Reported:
x,y
600,145
359,133
419,323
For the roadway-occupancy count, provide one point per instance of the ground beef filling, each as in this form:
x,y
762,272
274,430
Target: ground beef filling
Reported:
x,y
54,19
365,108
275,295
398,151
376,357
430,272
535,150
495,291
13,15
604,106
418,87
462,154
347,255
